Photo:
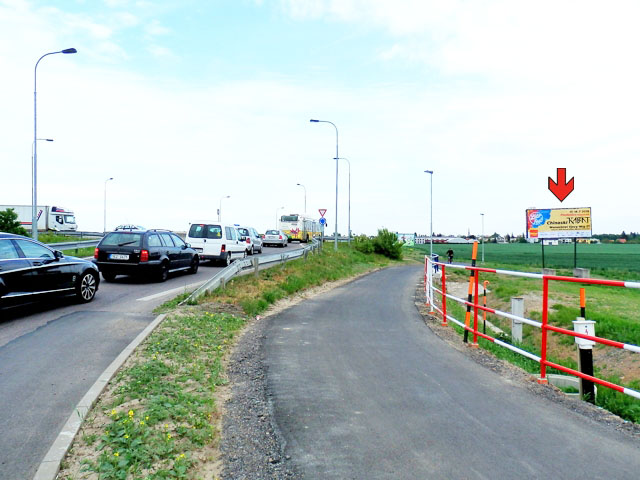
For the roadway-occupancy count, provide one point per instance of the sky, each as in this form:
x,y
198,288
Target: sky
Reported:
x,y
184,102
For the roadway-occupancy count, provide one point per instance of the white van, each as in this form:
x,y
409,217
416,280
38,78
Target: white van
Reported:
x,y
216,241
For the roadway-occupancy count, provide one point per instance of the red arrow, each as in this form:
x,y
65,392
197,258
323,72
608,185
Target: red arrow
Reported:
x,y
561,189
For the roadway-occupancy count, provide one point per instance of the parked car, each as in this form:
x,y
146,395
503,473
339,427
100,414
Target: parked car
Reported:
x,y
251,238
154,253
216,241
30,270
277,238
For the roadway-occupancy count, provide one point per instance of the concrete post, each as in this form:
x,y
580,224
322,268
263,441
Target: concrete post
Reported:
x,y
517,308
222,283
255,265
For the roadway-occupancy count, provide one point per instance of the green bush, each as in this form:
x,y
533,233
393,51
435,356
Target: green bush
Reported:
x,y
9,222
363,244
387,244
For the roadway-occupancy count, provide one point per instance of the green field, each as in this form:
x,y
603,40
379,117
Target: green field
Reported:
x,y
611,260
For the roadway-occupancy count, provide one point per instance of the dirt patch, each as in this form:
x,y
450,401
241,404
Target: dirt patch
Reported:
x,y
515,374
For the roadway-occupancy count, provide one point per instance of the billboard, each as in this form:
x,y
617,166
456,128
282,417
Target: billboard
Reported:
x,y
559,223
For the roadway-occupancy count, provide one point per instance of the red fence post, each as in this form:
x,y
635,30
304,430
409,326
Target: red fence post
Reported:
x,y
545,320
475,310
444,297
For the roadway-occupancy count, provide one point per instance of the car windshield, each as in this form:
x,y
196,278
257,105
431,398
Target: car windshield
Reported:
x,y
199,230
289,218
121,239
69,219
272,232
243,231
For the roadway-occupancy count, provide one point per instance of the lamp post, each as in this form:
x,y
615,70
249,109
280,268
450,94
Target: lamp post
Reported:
x,y
482,215
305,196
104,226
335,235
220,209
349,221
430,172
277,210
34,160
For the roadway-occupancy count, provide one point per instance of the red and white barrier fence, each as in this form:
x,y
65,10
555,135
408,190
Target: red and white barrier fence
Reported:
x,y
430,266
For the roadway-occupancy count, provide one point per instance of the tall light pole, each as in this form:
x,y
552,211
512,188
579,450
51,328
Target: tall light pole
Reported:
x,y
430,272
349,225
305,196
34,160
430,172
277,210
482,215
335,235
220,209
104,226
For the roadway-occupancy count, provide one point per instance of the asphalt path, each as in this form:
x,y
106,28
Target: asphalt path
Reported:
x,y
362,389
52,352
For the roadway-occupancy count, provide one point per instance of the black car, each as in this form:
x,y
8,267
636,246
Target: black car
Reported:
x,y
30,270
153,253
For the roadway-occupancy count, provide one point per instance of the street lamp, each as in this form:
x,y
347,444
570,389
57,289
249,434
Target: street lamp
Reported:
x,y
482,215
220,209
430,172
104,226
305,196
34,160
349,221
277,210
335,235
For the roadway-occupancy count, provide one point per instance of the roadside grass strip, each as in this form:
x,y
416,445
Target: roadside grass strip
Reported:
x,y
157,418
615,313
255,294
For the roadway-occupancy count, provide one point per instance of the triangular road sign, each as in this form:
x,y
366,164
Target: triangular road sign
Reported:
x,y
322,211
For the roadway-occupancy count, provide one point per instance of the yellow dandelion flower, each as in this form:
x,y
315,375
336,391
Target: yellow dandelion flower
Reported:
x,y
147,418
168,436
141,422
116,454
114,412
130,413
166,425
182,455
126,436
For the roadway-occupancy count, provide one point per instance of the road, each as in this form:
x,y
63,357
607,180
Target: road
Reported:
x,y
362,389
50,354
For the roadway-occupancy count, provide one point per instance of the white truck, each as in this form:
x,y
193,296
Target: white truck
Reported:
x,y
57,219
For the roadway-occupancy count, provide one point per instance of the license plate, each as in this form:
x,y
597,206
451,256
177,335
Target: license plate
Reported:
x,y
118,256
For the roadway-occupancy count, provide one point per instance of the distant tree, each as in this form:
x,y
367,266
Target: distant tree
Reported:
x,y
9,222
507,238
623,235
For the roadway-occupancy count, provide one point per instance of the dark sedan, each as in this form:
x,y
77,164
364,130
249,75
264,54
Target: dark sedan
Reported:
x,y
30,270
153,253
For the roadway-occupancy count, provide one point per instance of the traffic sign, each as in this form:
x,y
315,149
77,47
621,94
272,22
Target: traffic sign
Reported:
x,y
323,221
322,211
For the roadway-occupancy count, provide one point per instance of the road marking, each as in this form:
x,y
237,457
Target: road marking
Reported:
x,y
170,292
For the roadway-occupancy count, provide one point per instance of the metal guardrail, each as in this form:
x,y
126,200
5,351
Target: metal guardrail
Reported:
x,y
240,266
74,245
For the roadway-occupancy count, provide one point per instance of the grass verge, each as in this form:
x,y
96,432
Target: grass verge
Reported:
x,y
615,311
158,417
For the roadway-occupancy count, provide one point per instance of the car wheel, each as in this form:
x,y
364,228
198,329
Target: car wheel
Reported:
x,y
163,275
251,252
108,277
227,260
87,287
195,263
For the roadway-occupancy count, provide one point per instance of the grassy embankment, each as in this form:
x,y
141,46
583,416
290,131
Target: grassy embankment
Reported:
x,y
157,418
58,238
614,309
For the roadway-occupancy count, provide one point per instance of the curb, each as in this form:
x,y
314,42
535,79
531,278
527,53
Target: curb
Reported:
x,y
50,464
